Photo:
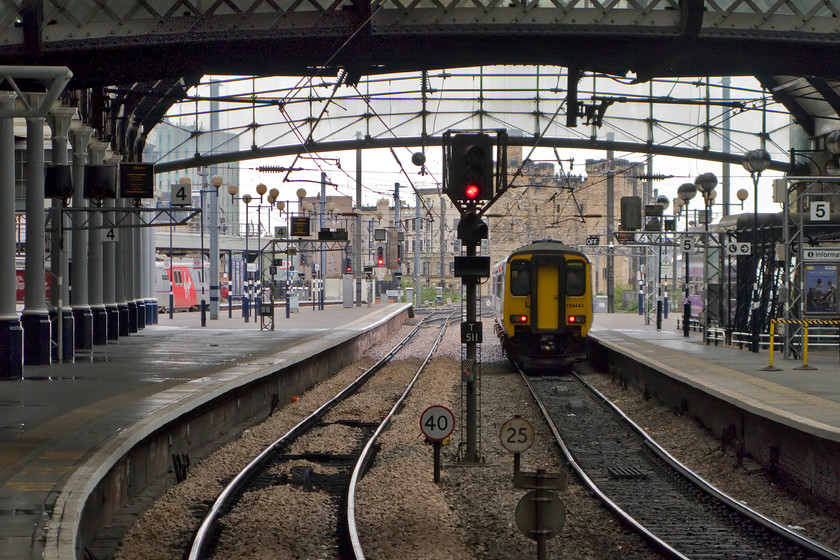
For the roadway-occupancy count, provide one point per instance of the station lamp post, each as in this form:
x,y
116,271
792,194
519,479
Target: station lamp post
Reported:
x,y
664,202
706,183
246,299
686,192
257,284
216,182
679,204
755,161
232,190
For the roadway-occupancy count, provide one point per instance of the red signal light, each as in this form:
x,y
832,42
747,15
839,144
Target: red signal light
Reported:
x,y
380,261
472,191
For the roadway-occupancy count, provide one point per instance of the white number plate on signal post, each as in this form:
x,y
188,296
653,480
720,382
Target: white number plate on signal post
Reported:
x,y
687,243
517,435
437,423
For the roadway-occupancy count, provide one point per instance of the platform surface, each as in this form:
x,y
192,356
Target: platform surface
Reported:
x,y
53,419
806,399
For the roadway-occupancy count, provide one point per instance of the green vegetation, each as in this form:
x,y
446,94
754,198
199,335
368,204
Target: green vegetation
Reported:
x,y
430,292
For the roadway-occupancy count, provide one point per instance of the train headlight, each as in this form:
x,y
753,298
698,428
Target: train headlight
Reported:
x,y
576,319
519,319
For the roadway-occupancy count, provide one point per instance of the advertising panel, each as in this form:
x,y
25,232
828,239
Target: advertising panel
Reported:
x,y
821,289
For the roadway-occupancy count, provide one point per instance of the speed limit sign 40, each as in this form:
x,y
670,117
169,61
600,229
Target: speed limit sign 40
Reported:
x,y
437,423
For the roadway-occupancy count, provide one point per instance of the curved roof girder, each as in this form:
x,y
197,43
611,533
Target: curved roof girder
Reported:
x,y
371,143
680,118
124,41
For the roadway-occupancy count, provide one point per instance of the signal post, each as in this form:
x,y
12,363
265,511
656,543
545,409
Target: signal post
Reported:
x,y
472,184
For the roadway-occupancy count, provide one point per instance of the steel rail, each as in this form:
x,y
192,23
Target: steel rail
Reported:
x,y
658,544
757,517
364,458
233,488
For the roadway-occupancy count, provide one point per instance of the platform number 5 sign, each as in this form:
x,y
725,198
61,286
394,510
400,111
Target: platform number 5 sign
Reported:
x,y
820,211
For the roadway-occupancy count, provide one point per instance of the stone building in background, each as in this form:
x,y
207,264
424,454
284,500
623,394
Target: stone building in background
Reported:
x,y
547,201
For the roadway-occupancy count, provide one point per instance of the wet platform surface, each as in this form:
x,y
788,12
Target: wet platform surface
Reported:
x,y
807,399
57,416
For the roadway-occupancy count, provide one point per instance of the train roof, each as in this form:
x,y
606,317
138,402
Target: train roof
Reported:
x,y
545,246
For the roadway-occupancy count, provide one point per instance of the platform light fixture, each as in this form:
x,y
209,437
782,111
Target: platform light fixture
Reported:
x,y
755,161
706,183
686,192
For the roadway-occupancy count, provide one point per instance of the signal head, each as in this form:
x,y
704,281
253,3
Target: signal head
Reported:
x,y
470,170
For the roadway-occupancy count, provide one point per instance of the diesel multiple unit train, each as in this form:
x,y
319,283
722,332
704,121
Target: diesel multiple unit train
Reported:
x,y
542,303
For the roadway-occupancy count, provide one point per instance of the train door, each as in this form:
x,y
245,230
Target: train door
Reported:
x,y
548,302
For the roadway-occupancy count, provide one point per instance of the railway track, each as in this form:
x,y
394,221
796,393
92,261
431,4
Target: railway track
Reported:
x,y
300,446
675,510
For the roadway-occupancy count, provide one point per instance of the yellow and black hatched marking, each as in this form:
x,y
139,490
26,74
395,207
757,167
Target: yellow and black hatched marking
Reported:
x,y
807,322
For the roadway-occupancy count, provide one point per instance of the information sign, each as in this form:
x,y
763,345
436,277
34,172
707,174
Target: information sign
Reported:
x,y
300,226
735,249
137,180
821,254
687,243
437,423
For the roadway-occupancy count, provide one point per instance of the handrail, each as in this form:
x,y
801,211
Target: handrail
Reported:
x,y
805,323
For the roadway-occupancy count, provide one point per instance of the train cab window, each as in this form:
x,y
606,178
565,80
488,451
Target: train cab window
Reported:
x,y
164,277
177,277
575,278
520,278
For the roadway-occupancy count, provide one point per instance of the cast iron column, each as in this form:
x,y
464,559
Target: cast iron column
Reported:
x,y
11,332
35,317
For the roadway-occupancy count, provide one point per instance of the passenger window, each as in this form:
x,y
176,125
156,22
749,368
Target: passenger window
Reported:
x,y
520,278
178,277
575,278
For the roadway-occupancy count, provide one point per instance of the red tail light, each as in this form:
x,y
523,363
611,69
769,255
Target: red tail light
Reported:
x,y
519,319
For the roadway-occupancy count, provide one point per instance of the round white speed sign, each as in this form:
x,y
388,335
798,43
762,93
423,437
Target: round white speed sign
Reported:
x,y
437,422
517,435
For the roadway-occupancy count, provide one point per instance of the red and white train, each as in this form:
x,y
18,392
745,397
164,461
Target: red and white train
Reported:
x,y
185,280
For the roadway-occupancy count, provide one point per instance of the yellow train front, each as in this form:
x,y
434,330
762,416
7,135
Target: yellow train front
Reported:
x,y
542,302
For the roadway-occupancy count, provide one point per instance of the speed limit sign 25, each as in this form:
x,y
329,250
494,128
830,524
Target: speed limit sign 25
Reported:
x,y
517,435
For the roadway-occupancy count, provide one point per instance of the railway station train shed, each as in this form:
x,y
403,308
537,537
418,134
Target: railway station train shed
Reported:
x,y
124,125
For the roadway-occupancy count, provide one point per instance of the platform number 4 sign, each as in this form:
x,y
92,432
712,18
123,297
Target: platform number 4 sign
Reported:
x,y
181,195
820,211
